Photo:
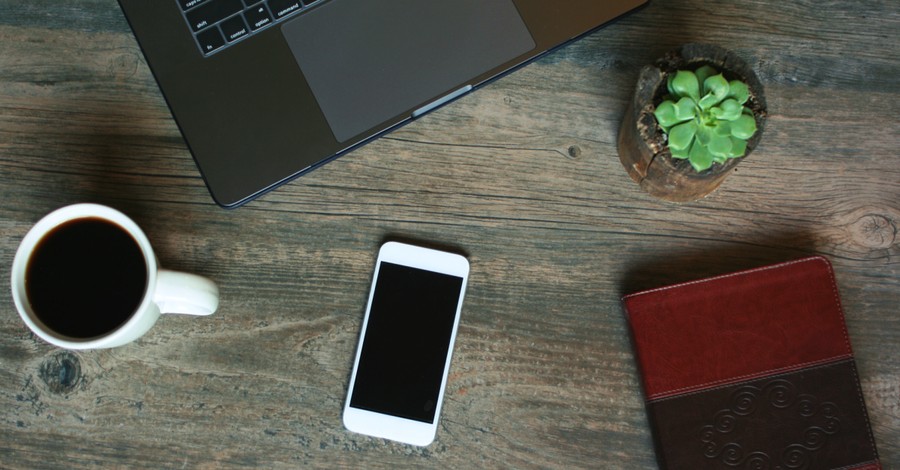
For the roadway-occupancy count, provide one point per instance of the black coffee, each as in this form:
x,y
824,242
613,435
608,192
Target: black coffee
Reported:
x,y
86,278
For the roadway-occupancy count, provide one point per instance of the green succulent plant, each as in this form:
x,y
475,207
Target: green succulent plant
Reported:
x,y
705,118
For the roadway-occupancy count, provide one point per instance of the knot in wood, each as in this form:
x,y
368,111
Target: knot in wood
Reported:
x,y
61,372
123,67
574,151
874,231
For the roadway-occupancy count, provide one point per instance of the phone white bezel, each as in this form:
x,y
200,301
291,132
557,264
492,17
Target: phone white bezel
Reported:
x,y
391,427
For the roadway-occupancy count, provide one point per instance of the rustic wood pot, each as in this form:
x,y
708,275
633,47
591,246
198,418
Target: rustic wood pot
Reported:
x,y
642,144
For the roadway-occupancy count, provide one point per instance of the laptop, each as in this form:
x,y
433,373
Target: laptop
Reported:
x,y
267,90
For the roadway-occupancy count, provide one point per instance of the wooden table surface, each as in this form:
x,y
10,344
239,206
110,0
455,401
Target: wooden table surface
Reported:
x,y
523,176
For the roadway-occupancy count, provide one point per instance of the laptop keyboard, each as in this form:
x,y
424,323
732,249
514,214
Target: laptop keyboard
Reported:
x,y
217,24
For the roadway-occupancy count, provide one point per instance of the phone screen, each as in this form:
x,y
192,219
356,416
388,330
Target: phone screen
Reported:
x,y
406,343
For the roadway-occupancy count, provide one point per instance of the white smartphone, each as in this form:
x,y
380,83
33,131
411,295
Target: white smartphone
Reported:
x,y
400,372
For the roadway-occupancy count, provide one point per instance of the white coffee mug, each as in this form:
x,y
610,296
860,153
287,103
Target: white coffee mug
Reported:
x,y
165,291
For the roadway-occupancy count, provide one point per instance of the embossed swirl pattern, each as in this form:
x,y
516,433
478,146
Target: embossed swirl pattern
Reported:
x,y
719,438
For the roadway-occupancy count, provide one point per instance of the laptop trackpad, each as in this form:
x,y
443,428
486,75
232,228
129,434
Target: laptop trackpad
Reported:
x,y
369,61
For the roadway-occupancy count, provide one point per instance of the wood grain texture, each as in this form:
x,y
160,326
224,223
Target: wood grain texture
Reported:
x,y
522,175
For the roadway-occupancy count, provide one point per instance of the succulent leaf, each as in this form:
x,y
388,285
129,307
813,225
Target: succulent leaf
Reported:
x,y
723,128
680,154
739,91
704,134
700,157
717,85
715,89
666,115
684,109
720,146
681,136
707,102
705,72
685,84
738,147
728,110
743,127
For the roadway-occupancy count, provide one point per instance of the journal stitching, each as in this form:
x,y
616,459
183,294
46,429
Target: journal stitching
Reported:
x,y
695,389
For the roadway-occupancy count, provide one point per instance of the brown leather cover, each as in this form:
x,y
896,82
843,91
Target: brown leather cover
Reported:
x,y
752,370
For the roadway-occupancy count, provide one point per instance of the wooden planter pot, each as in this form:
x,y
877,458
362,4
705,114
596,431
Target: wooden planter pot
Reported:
x,y
642,145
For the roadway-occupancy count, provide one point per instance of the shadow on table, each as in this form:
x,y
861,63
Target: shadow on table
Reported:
x,y
699,263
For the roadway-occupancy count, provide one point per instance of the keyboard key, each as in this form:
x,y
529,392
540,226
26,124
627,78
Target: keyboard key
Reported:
x,y
282,8
211,12
210,40
258,17
234,28
186,4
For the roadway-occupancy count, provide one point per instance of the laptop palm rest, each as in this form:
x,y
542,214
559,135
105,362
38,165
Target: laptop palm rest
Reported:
x,y
370,62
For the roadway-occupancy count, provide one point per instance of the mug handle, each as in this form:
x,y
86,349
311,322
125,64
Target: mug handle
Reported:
x,y
184,293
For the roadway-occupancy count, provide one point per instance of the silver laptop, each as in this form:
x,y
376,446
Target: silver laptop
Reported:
x,y
267,90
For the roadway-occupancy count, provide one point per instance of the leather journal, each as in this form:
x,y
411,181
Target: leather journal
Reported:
x,y
752,370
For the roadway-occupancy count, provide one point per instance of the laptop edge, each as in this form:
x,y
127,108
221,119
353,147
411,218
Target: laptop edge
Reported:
x,y
249,117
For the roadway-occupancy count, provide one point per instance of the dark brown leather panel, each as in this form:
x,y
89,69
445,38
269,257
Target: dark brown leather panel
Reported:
x,y
810,419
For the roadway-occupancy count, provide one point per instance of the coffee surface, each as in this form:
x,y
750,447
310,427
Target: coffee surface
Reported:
x,y
86,278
